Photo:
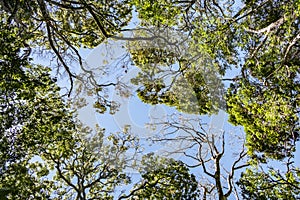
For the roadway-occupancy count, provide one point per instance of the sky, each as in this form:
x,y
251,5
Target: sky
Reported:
x,y
136,113
132,110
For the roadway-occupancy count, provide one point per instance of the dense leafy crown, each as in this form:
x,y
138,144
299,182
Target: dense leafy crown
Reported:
x,y
183,50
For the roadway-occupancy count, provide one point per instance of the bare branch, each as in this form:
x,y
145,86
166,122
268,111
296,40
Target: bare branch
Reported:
x,y
242,154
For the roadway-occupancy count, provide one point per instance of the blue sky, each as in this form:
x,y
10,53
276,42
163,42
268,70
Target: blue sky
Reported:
x,y
136,113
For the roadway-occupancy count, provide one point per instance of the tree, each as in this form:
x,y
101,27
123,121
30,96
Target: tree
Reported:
x,y
262,45
95,168
269,117
261,40
265,100
39,137
157,13
173,74
183,55
33,116
49,132
29,98
60,28
164,179
206,151
259,183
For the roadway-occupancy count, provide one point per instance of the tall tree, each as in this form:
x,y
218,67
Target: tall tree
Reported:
x,y
262,45
40,137
266,182
266,100
164,179
183,48
60,28
207,151
33,116
173,73
261,40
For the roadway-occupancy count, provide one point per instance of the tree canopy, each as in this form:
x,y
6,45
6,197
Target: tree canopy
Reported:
x,y
198,57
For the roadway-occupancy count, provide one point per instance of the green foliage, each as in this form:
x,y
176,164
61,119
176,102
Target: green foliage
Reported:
x,y
257,184
187,91
266,100
18,182
189,83
33,118
66,24
184,50
58,29
216,38
260,39
162,12
95,167
269,118
146,56
165,179
29,102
